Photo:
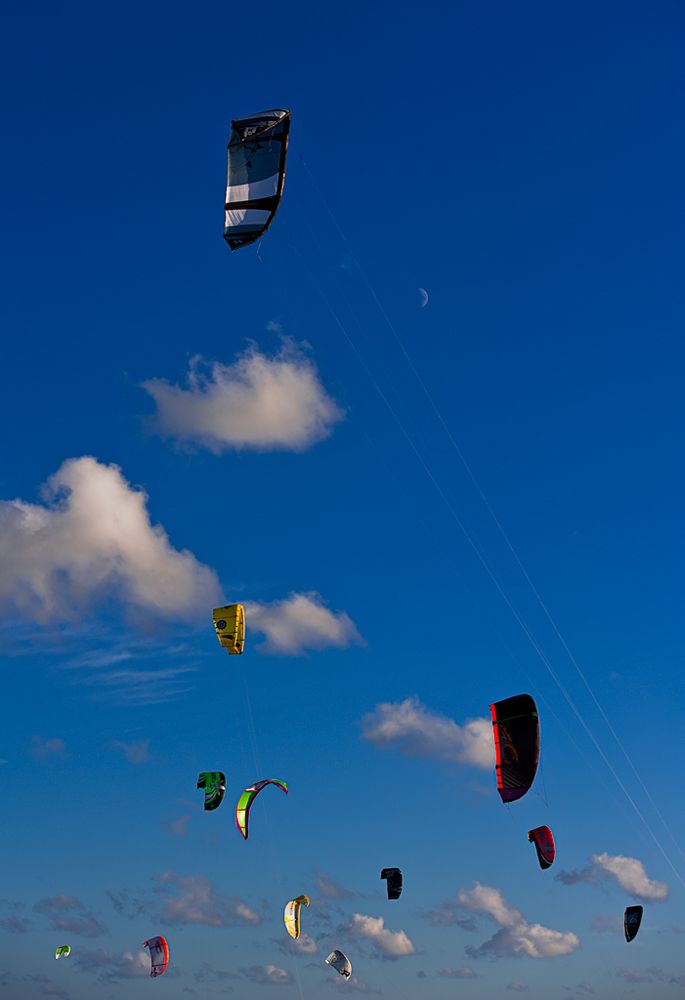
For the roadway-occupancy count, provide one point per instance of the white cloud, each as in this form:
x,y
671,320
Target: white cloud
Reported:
x,y
628,872
488,900
301,622
197,902
391,944
517,936
422,733
259,402
92,538
631,876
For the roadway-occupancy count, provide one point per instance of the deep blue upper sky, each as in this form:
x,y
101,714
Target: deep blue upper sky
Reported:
x,y
522,163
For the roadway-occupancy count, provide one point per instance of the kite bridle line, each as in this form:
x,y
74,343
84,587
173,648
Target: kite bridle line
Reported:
x,y
276,868
488,506
467,535
474,545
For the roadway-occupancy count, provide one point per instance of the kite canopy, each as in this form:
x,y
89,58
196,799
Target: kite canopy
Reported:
x,y
340,962
257,150
543,839
242,810
394,877
291,915
64,949
229,623
159,955
632,919
516,729
214,784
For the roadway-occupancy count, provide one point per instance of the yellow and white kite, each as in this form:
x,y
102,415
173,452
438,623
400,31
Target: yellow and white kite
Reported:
x,y
291,915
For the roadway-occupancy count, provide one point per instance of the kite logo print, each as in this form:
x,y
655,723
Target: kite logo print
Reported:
x,y
509,751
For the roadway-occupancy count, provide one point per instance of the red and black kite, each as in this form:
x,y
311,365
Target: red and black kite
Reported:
x,y
543,839
516,730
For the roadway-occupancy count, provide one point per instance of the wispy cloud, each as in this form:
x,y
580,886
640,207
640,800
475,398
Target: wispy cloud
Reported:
x,y
13,924
353,984
329,888
141,687
91,540
177,827
463,972
43,750
390,944
128,669
629,873
449,914
301,622
607,923
128,905
196,901
516,937
304,945
268,974
177,900
111,967
418,732
48,988
136,752
259,402
651,975
632,976
517,986
69,914
208,974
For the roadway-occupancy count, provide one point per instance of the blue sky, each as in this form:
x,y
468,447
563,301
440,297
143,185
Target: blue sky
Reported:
x,y
524,165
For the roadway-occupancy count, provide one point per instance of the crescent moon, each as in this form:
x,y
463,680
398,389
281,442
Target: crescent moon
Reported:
x,y
424,297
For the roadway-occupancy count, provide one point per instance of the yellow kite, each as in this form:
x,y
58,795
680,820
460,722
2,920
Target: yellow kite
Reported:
x,y
229,623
